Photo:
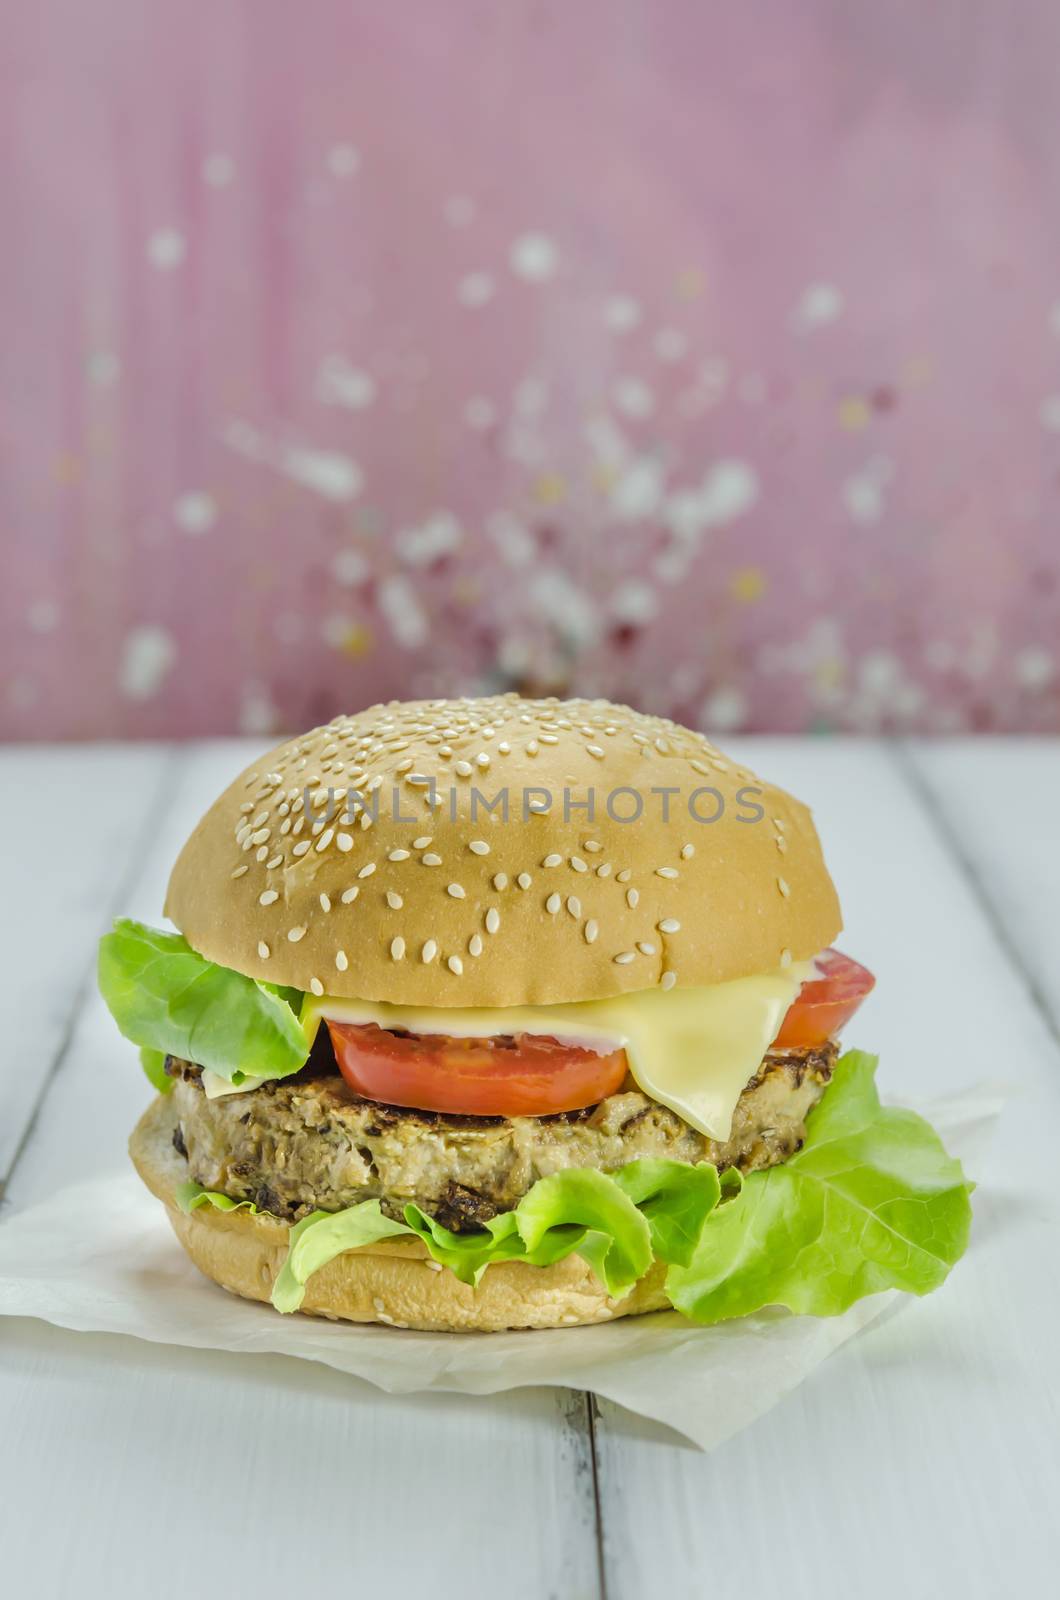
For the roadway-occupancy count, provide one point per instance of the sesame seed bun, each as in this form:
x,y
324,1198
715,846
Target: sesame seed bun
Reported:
x,y
437,906
392,1282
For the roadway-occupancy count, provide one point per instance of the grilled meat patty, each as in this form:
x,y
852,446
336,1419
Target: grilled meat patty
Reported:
x,y
308,1142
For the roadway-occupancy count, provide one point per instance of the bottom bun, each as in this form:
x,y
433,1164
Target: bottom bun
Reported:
x,y
394,1281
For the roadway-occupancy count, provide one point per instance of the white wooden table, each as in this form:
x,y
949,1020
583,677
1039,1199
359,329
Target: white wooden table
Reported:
x,y
923,1459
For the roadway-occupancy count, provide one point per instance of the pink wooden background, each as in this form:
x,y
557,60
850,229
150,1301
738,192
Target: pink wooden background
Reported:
x,y
697,354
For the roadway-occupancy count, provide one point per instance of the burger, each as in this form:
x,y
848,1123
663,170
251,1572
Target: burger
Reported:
x,y
508,1013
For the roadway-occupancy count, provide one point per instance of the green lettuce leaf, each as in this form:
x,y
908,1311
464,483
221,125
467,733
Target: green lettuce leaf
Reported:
x,y
871,1202
615,1222
172,1001
154,1065
322,1236
190,1196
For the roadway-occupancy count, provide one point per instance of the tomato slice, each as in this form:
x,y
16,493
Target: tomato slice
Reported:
x,y
520,1075
826,1004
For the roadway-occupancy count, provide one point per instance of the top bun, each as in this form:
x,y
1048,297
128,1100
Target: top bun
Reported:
x,y
448,904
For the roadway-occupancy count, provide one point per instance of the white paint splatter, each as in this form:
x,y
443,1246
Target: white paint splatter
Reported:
x,y
724,710
530,397
335,477
104,368
634,398
1049,414
534,257
821,304
166,249
621,313
635,601
343,160
728,491
639,489
340,384
257,712
148,656
195,512
218,170
437,536
512,538
480,413
43,616
401,608
475,289
558,601
349,567
1035,667
459,210
670,344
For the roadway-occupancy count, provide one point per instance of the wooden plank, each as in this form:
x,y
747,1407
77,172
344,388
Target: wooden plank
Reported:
x,y
63,864
999,800
921,1458
189,1469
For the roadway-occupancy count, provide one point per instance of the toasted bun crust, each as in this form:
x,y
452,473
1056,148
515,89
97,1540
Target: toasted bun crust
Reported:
x,y
451,909
393,1281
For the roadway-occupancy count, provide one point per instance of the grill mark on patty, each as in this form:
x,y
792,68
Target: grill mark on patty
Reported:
x,y
308,1142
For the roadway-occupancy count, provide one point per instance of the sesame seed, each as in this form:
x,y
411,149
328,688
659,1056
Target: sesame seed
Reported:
x,y
325,838
574,905
552,860
687,850
595,750
531,748
350,895
666,872
247,806
668,980
394,900
431,860
367,870
260,836
464,768
623,876
456,890
604,869
239,871
301,847
455,965
785,958
500,880
578,864
341,960
294,934
592,928
316,986
260,854
267,898
397,949
428,953
493,919
624,958
263,950
480,847
779,824
404,766
273,863
398,855
553,903
781,843
669,925
632,896
422,842
482,759
645,947
524,880
782,885
474,944
592,845
549,738
325,902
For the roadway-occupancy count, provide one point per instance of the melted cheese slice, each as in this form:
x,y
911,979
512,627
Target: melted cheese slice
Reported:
x,y
693,1050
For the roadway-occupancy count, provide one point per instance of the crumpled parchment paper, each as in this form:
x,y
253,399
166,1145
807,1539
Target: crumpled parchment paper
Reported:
x,y
100,1257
